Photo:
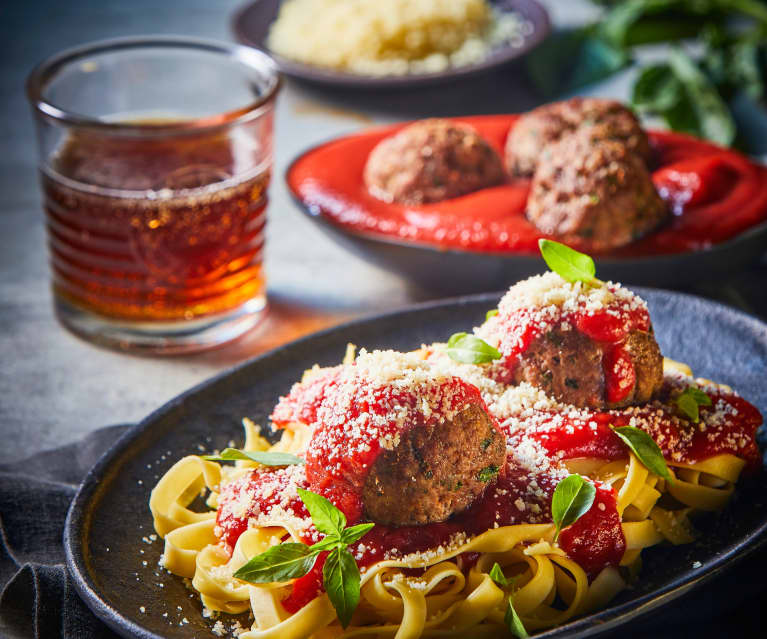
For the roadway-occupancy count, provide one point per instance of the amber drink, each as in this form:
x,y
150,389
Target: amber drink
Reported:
x,y
155,193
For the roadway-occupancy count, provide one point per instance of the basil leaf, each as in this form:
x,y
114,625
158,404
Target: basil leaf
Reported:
x,y
550,63
341,578
328,543
698,395
496,574
260,456
714,117
279,563
568,263
325,516
355,533
656,89
572,498
470,349
689,400
597,59
455,338
646,450
514,623
491,313
571,58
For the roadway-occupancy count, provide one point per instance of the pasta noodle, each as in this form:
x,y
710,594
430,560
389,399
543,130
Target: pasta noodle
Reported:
x,y
448,591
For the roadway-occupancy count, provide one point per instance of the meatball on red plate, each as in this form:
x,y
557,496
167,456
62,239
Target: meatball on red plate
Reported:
x,y
425,199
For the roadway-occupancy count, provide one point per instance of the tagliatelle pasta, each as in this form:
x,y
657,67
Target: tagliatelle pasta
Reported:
x,y
438,593
504,482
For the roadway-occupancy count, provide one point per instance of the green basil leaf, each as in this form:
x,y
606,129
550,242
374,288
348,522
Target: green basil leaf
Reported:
x,y
568,263
341,578
496,574
355,533
469,349
688,407
746,67
635,22
698,395
260,456
491,313
279,563
514,623
714,117
689,400
646,450
550,63
597,59
572,498
656,89
328,543
325,516
455,338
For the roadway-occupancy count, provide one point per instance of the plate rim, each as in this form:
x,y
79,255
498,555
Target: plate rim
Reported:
x,y
750,234
590,625
319,75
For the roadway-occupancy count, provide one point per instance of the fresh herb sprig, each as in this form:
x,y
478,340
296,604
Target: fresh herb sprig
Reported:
x,y
511,618
568,263
646,450
262,457
572,499
340,574
470,349
689,402
691,92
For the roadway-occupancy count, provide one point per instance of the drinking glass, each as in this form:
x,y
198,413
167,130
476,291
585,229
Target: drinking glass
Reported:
x,y
154,156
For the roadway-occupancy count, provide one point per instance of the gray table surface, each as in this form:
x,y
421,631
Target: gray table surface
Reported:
x,y
55,387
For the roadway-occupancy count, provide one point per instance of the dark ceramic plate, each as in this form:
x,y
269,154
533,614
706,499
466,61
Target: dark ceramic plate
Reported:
x,y
251,26
109,516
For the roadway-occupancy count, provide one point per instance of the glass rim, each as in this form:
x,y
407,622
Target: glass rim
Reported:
x,y
45,71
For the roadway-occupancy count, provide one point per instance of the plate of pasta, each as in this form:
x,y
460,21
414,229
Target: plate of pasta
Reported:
x,y
583,455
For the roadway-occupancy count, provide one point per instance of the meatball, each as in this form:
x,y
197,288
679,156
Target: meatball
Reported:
x,y
551,122
594,192
429,161
435,471
568,366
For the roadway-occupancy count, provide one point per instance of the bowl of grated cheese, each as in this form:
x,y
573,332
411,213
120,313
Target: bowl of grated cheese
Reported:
x,y
390,43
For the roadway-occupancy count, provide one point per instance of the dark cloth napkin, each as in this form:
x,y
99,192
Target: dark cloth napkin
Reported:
x,y
38,599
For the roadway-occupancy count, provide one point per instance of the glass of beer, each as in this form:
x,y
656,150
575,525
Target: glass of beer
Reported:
x,y
155,157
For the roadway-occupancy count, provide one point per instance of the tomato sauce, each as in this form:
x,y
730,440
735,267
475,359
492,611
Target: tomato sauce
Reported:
x,y
521,494
727,426
498,506
714,194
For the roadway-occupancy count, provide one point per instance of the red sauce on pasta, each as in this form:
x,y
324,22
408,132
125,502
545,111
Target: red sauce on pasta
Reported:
x,y
713,192
727,426
353,419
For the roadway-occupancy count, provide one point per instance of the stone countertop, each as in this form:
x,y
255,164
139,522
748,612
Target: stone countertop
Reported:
x,y
54,387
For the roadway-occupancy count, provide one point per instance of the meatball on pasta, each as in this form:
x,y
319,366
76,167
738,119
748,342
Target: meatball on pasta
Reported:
x,y
588,346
